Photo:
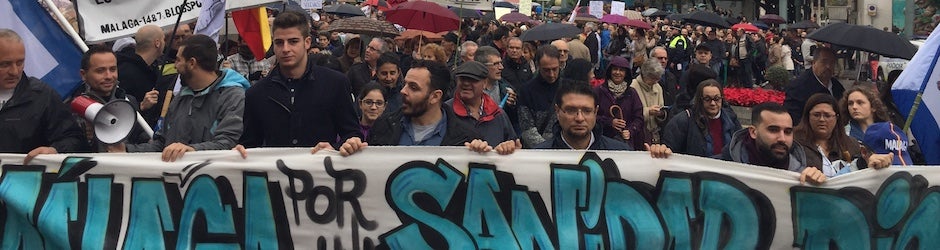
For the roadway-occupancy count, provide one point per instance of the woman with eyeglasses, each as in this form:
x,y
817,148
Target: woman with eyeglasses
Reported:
x,y
704,129
826,145
372,103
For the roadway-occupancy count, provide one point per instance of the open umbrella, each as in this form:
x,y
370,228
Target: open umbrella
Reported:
x,y
426,36
422,15
515,17
466,13
563,11
504,5
707,19
805,24
550,31
639,24
677,16
649,11
632,14
772,19
745,26
659,13
865,38
615,19
583,18
343,10
760,25
378,4
364,25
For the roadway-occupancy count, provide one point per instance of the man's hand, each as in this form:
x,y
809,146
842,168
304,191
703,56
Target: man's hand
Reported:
x,y
508,147
241,150
38,151
879,161
226,64
321,146
149,100
175,151
658,150
351,146
479,146
812,175
619,124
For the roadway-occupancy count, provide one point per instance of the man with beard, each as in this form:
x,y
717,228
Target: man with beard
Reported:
x,y
536,119
516,70
769,143
423,120
207,114
33,120
99,72
300,103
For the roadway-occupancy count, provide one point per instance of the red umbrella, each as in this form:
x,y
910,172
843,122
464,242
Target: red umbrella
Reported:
x,y
746,27
639,24
421,15
615,19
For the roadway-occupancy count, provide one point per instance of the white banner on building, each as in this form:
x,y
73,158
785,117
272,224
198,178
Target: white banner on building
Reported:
x,y
103,21
450,198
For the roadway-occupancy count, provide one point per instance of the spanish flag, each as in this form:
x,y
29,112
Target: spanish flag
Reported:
x,y
252,25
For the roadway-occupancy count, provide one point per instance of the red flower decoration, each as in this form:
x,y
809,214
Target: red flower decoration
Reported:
x,y
748,97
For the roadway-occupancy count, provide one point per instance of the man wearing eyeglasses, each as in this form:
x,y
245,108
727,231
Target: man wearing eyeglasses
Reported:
x,y
362,73
576,109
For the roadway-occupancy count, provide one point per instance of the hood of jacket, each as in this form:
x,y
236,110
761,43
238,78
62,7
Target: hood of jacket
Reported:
x,y
228,78
490,109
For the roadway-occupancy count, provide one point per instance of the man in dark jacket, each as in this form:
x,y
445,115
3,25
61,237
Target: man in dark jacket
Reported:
x,y
423,120
136,70
576,109
593,42
706,128
299,103
769,143
669,81
820,79
33,119
535,98
516,69
471,105
362,73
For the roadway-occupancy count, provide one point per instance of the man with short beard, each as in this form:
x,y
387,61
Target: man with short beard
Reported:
x,y
423,120
207,114
769,143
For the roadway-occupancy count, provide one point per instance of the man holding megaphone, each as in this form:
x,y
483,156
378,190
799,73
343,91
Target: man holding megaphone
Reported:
x,y
100,105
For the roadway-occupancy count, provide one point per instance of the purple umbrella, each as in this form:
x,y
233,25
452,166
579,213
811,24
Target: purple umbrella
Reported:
x,y
615,19
772,19
515,17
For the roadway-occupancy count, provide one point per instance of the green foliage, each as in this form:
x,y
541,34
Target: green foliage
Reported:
x,y
777,76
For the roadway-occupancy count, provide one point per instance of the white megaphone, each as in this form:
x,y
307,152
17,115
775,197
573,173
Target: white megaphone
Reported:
x,y
112,121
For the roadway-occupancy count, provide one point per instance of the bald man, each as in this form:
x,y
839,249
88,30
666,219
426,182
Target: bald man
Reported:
x,y
564,51
136,72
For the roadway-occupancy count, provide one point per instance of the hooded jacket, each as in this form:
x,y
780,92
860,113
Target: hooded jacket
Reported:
x,y
136,77
387,130
683,135
739,150
493,125
35,117
210,119
281,112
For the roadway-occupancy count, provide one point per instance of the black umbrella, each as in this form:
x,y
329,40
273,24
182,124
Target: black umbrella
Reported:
x,y
364,25
343,10
659,13
707,19
772,19
677,16
550,31
504,5
805,24
565,10
761,25
865,38
466,13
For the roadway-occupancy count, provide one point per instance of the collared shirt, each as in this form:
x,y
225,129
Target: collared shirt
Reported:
x,y
828,87
246,67
591,143
434,138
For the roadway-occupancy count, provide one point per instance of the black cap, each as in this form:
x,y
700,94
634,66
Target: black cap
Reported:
x,y
472,69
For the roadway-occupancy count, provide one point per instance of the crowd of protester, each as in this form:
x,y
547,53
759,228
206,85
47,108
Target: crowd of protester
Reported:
x,y
609,88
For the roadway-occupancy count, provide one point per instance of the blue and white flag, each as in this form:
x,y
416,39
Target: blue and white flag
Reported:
x,y
211,18
50,53
921,75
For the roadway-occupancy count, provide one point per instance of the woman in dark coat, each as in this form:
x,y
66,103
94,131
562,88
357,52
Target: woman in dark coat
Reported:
x,y
694,131
620,113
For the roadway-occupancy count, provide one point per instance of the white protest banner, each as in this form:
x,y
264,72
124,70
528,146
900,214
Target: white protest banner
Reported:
x,y
525,7
500,11
311,4
450,198
617,7
105,20
486,5
596,8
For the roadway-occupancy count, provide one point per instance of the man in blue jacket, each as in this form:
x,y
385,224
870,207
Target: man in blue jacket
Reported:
x,y
299,104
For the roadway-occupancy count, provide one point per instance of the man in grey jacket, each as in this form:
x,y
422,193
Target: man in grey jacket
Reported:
x,y
207,113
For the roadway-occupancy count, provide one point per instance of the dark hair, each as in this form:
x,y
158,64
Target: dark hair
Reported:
x,y
203,49
328,61
86,57
440,75
292,19
483,54
573,87
771,107
369,88
388,57
546,50
819,50
879,111
500,33
698,107
804,134
578,69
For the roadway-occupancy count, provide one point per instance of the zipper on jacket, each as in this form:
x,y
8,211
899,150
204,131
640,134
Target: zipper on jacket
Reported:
x,y
290,82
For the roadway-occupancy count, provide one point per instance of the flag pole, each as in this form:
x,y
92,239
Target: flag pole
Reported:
x,y
57,15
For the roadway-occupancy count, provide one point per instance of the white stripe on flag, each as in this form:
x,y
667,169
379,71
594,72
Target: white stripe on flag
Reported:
x,y
39,62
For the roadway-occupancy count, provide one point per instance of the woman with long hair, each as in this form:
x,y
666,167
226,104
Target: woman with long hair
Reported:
x,y
870,124
706,128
